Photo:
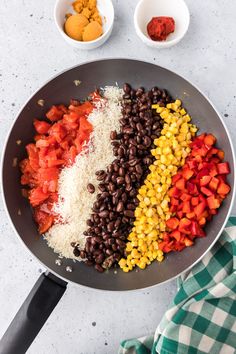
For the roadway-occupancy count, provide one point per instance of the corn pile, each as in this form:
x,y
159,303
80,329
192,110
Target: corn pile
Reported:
x,y
172,147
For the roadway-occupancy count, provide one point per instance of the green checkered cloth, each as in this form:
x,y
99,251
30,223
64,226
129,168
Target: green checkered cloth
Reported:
x,y
202,316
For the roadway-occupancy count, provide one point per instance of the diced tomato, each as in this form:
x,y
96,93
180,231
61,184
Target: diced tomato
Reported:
x,y
41,126
56,146
223,168
37,196
44,220
33,156
83,110
58,131
55,113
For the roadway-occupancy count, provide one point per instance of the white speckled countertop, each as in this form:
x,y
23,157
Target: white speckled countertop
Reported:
x,y
31,51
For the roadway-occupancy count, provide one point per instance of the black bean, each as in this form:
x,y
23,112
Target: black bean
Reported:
x,y
120,243
90,188
121,171
126,88
129,213
147,141
99,259
109,252
104,214
76,252
120,207
128,130
99,268
120,180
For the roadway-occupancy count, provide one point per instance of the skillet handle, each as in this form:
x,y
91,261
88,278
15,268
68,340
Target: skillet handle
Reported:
x,y
32,315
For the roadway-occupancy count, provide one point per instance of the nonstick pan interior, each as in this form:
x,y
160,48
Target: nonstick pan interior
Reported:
x,y
60,90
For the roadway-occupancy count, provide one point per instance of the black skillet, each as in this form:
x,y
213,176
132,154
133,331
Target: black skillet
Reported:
x,y
50,286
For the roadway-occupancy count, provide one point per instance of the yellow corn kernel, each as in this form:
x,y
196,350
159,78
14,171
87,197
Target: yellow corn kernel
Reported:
x,y
141,265
126,269
122,263
135,253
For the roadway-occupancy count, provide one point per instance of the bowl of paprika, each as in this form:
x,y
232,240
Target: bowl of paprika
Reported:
x,y
161,24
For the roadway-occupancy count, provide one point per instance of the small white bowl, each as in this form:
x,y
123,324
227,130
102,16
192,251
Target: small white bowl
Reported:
x,y
106,10
147,9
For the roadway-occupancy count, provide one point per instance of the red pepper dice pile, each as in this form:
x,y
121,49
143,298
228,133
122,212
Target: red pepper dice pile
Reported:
x,y
198,189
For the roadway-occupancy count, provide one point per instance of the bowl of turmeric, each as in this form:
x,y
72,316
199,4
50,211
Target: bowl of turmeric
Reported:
x,y
84,24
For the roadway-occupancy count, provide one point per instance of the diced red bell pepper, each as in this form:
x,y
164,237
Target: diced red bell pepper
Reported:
x,y
206,191
174,192
187,173
184,225
176,177
202,221
180,184
192,188
174,201
221,154
186,207
180,214
176,234
223,168
223,188
214,183
185,197
196,230
209,139
199,209
172,223
204,181
213,211
213,202
194,201
190,215
188,242
192,164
